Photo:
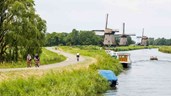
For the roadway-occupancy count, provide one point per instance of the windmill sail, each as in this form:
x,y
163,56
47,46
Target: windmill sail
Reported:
x,y
123,39
109,39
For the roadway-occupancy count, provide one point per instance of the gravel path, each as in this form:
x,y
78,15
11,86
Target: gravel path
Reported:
x,y
71,59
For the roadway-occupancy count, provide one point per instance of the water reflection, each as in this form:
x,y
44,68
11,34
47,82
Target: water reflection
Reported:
x,y
145,77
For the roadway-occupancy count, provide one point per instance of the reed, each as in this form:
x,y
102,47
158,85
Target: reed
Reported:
x,y
127,48
165,49
73,83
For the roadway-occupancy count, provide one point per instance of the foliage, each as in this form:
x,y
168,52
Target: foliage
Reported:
x,y
74,38
47,57
130,41
55,39
21,29
78,38
159,41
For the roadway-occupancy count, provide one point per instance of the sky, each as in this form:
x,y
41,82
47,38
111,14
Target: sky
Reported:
x,y
64,15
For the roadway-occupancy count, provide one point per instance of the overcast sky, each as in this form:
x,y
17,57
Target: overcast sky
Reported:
x,y
64,15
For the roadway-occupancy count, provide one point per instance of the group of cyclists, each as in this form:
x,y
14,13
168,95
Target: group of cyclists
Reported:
x,y
36,60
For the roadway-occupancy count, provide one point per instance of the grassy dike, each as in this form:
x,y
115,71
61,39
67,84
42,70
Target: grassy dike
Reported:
x,y
47,57
127,48
69,82
165,49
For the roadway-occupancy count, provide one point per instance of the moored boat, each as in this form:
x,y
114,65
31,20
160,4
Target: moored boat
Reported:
x,y
153,58
110,76
123,57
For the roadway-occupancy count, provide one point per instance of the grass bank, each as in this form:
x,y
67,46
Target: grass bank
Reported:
x,y
127,48
104,61
165,49
47,57
80,82
75,83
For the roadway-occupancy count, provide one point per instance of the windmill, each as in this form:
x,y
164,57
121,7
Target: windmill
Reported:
x,y
109,39
144,39
124,37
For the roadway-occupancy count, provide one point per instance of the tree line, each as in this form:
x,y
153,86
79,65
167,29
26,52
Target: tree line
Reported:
x,y
74,38
90,38
77,38
22,31
159,41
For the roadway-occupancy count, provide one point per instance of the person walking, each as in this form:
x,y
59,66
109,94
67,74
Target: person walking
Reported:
x,y
78,56
37,60
28,60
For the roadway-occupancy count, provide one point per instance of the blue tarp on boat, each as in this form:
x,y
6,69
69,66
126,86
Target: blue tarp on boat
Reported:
x,y
108,74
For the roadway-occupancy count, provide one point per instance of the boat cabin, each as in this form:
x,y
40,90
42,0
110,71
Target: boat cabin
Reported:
x,y
123,57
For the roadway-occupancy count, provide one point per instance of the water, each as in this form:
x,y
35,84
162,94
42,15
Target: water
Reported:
x,y
145,77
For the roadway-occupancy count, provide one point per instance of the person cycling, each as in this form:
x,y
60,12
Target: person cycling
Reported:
x,y
78,55
37,60
28,60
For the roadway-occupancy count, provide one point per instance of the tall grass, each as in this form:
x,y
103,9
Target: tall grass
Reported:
x,y
127,48
74,82
165,49
47,57
104,61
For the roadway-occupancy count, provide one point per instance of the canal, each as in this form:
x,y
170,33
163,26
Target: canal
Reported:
x,y
145,77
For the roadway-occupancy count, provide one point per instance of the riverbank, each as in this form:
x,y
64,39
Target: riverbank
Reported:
x,y
128,48
78,80
165,49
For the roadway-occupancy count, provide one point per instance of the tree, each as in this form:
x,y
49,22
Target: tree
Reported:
x,y
168,41
130,41
62,38
21,29
151,41
73,38
160,41
89,38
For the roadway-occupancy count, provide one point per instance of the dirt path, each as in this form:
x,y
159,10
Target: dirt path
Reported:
x,y
71,59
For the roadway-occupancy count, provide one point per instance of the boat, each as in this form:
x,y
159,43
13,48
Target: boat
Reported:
x,y
153,58
123,57
110,76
